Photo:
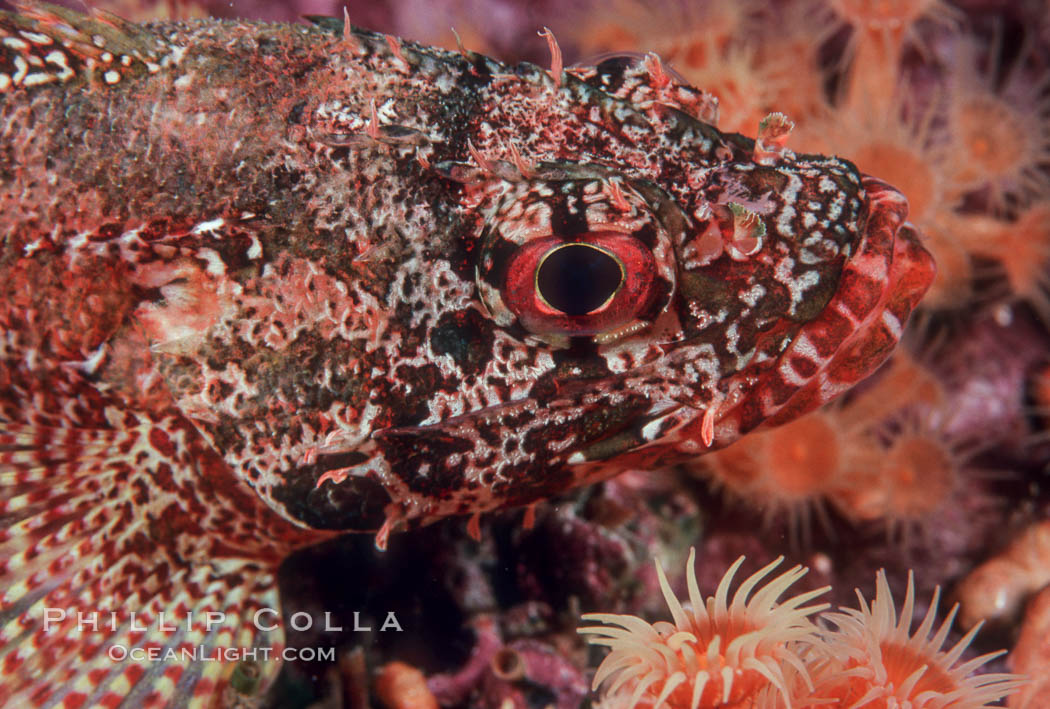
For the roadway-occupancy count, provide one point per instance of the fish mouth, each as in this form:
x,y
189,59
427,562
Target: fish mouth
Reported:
x,y
856,331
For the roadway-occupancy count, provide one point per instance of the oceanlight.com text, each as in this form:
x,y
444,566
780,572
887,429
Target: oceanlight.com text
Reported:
x,y
119,653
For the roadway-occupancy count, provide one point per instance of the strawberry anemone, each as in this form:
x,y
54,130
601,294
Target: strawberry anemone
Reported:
x,y
875,661
720,652
919,472
998,122
1021,246
757,653
879,31
791,470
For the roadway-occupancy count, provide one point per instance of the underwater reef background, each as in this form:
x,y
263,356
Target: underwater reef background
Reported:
x,y
940,463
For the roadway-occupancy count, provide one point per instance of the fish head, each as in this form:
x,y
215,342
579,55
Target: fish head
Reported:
x,y
511,282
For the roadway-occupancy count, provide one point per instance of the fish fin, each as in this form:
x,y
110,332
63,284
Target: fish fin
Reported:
x,y
644,81
132,517
112,500
334,25
44,44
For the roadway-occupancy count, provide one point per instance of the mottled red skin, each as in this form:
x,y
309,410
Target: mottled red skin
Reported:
x,y
253,290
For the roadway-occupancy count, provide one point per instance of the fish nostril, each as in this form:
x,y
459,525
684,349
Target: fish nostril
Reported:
x,y
578,279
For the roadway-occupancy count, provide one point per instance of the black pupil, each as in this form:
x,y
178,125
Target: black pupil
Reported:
x,y
576,279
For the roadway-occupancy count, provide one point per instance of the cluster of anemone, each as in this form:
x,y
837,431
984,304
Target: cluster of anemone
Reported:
x,y
885,455
764,649
967,139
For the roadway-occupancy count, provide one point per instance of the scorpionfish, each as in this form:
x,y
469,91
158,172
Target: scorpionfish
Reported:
x,y
263,283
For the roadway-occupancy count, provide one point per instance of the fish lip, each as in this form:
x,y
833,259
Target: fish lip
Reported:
x,y
893,206
892,196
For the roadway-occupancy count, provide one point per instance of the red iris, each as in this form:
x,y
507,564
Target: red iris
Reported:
x,y
592,284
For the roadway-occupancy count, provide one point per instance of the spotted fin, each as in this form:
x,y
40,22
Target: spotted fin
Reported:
x,y
47,44
86,530
106,509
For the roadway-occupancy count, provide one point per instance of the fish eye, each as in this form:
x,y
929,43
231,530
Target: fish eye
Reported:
x,y
593,284
578,278
587,257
